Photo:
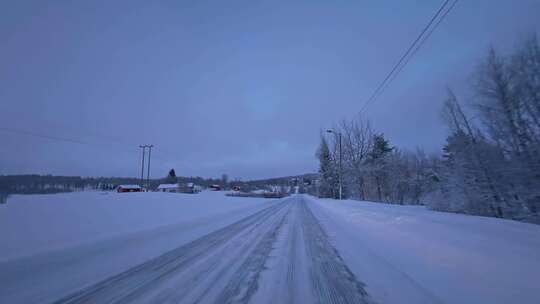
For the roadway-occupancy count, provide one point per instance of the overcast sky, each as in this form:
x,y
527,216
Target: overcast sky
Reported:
x,y
237,87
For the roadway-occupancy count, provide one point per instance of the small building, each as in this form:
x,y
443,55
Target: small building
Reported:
x,y
168,188
197,188
214,188
128,188
188,188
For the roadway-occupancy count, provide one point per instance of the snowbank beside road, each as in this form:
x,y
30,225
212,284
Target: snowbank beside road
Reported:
x,y
407,254
30,224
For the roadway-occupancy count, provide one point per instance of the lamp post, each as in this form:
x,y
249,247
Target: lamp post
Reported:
x,y
338,134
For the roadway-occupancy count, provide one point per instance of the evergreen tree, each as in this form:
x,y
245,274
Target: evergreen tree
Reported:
x,y
171,177
377,162
327,174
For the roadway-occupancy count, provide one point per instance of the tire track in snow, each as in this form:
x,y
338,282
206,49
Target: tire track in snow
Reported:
x,y
292,255
227,266
332,281
305,268
130,285
244,282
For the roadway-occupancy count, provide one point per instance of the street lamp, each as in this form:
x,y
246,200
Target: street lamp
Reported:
x,y
338,134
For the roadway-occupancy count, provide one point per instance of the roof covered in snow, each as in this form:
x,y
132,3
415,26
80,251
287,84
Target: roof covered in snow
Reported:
x,y
129,186
167,186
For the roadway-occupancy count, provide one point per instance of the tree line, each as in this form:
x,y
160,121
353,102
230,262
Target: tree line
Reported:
x,y
49,184
489,165
371,168
44,184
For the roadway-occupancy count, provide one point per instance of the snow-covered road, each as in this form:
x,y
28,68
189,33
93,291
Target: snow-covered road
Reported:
x,y
227,266
92,247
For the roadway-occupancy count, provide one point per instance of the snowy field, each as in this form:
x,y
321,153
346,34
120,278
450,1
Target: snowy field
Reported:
x,y
221,249
30,224
407,254
52,244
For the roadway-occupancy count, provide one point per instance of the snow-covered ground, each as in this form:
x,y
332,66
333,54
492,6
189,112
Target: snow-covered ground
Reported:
x,y
156,247
54,244
30,224
407,254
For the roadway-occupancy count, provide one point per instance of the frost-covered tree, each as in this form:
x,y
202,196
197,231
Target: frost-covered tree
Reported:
x,y
488,170
490,166
357,138
470,183
377,162
410,176
509,104
373,170
327,171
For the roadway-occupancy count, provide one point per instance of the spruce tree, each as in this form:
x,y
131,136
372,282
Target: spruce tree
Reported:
x,y
378,160
326,170
171,178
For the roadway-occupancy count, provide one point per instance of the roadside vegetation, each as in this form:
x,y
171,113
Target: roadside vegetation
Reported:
x,y
490,164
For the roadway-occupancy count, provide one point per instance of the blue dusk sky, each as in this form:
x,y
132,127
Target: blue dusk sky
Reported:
x,y
236,87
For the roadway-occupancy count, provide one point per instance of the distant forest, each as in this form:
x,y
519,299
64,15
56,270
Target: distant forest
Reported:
x,y
44,184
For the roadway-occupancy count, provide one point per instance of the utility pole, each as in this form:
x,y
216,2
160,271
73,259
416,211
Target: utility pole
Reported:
x,y
340,170
143,147
148,171
338,134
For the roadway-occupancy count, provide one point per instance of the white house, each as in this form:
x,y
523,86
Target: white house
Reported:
x,y
168,188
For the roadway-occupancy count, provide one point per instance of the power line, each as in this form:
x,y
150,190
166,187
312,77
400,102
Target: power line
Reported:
x,y
67,139
63,139
50,137
411,48
106,143
426,37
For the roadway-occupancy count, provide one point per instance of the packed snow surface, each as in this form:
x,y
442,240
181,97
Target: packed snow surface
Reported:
x,y
92,247
34,223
